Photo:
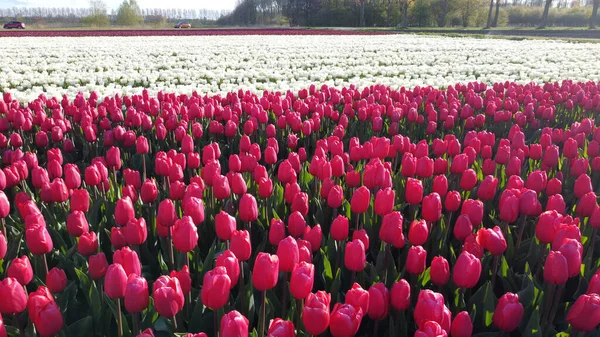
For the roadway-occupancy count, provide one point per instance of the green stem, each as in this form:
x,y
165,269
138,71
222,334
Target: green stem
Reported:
x,y
119,319
263,313
242,289
285,295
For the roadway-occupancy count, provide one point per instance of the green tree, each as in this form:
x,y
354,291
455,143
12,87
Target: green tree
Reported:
x,y
129,13
97,15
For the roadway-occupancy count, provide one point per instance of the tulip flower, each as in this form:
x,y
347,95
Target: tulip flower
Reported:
x,y
462,325
20,269
56,280
467,270
185,234
384,201
225,224
248,209
416,260
439,271
296,224
231,264
418,232
354,256
358,297
184,278
584,315
288,254
492,240
115,281
508,313
14,294
194,208
431,329
301,282
168,296
215,288
315,315
136,294
240,244
281,328
379,301
45,313
345,320
136,231
391,229
234,324
360,200
97,266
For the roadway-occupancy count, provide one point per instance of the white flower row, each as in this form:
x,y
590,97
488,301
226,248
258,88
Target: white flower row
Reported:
x,y
218,64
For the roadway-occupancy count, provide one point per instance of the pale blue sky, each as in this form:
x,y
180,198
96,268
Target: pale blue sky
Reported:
x,y
190,4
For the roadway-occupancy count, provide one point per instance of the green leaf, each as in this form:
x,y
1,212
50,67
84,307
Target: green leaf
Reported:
x,y
484,302
113,308
335,286
82,327
533,328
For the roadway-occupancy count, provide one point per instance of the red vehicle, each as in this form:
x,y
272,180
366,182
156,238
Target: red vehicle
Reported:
x,y
14,24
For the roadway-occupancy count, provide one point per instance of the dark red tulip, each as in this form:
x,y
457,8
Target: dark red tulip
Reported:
x,y
38,239
45,313
587,204
508,313
556,268
97,266
487,188
77,223
80,201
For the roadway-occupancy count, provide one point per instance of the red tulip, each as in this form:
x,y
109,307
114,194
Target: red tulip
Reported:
x,y
379,301
584,315
20,269
345,320
97,266
45,313
492,240
221,188
149,191
414,191
572,250
248,208
384,201
487,188
115,282
462,325
556,268
136,294
416,260
296,224
430,307
431,329
314,236
56,280
452,201
185,235
508,313
229,261
301,282
2,328
215,288
77,224
166,213
184,278
315,315
280,328
418,232
194,208
288,254
129,260
474,209
80,201
358,297
240,244
265,271
234,324
168,296
467,270
38,239
354,256
339,228
136,231
300,202
587,204
360,200
391,229
14,294
225,224
3,246
439,271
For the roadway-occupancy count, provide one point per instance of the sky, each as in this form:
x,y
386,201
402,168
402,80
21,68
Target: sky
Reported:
x,y
189,4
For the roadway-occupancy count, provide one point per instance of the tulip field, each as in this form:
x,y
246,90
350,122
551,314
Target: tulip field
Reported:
x,y
412,186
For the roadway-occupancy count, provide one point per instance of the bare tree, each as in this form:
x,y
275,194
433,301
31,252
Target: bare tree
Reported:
x,y
594,14
545,15
489,18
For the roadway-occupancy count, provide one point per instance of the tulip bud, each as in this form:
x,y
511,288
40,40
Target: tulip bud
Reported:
x,y
556,268
149,191
358,297
13,293
354,257
340,228
185,235
508,313
379,301
439,271
231,264
416,260
56,280
225,224
248,209
280,328
345,320
384,201
467,270
302,280
288,254
115,282
124,211
215,288
88,244
166,213
360,200
418,232
20,269
136,231
462,325
97,266
492,240
136,295
315,315
240,244
168,296
391,229
234,324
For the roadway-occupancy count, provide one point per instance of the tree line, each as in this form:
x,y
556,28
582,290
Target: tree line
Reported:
x,y
98,14
414,13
